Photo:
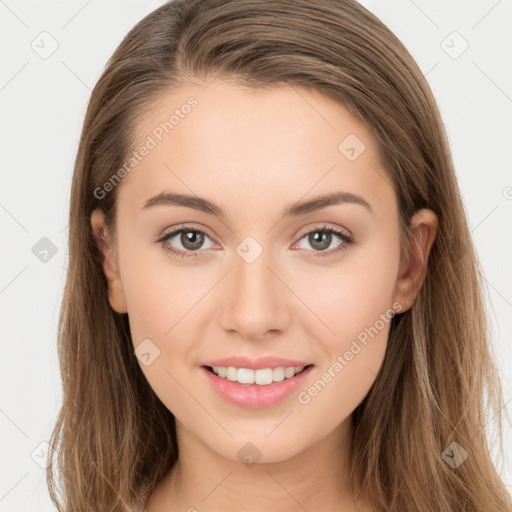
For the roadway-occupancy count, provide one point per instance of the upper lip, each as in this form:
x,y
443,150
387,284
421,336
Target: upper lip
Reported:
x,y
255,364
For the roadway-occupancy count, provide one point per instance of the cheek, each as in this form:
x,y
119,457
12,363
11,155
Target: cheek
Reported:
x,y
157,310
166,305
354,304
160,294
349,300
359,314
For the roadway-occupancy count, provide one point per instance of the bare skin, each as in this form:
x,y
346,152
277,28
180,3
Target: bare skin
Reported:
x,y
253,153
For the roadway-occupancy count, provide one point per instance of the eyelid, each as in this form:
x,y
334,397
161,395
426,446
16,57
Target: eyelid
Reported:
x,y
183,227
300,235
326,226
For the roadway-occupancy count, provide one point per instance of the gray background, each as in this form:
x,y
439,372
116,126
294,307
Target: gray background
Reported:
x,y
43,99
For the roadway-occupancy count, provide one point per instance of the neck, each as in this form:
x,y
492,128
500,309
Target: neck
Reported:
x,y
317,478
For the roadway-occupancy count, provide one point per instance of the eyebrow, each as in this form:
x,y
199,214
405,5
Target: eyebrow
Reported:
x,y
294,210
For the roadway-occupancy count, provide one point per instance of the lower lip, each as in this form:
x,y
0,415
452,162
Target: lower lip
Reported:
x,y
254,396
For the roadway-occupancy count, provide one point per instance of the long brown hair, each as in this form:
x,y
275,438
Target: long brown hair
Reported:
x,y
114,440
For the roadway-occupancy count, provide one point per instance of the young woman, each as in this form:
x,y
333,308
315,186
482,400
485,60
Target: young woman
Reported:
x,y
273,299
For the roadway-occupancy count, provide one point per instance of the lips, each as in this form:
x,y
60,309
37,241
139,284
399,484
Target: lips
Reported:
x,y
254,396
256,364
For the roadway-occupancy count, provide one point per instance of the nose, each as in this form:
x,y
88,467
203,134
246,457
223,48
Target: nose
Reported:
x,y
255,302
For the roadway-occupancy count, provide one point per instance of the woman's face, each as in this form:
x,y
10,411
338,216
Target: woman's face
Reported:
x,y
267,278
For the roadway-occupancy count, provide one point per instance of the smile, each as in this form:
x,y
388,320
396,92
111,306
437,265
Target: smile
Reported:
x,y
261,377
237,391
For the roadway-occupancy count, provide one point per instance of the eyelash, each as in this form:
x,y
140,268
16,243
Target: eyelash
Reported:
x,y
347,240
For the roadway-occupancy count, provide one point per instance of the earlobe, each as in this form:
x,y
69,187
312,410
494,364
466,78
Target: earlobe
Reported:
x,y
424,225
116,295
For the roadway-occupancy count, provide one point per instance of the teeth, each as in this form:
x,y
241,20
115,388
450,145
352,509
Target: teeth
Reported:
x,y
261,377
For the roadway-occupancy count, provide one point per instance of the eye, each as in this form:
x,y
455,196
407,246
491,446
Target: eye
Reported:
x,y
321,239
191,240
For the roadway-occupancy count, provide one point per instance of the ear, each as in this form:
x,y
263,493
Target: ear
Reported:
x,y
110,265
412,272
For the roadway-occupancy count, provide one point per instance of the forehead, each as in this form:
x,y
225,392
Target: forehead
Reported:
x,y
250,148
